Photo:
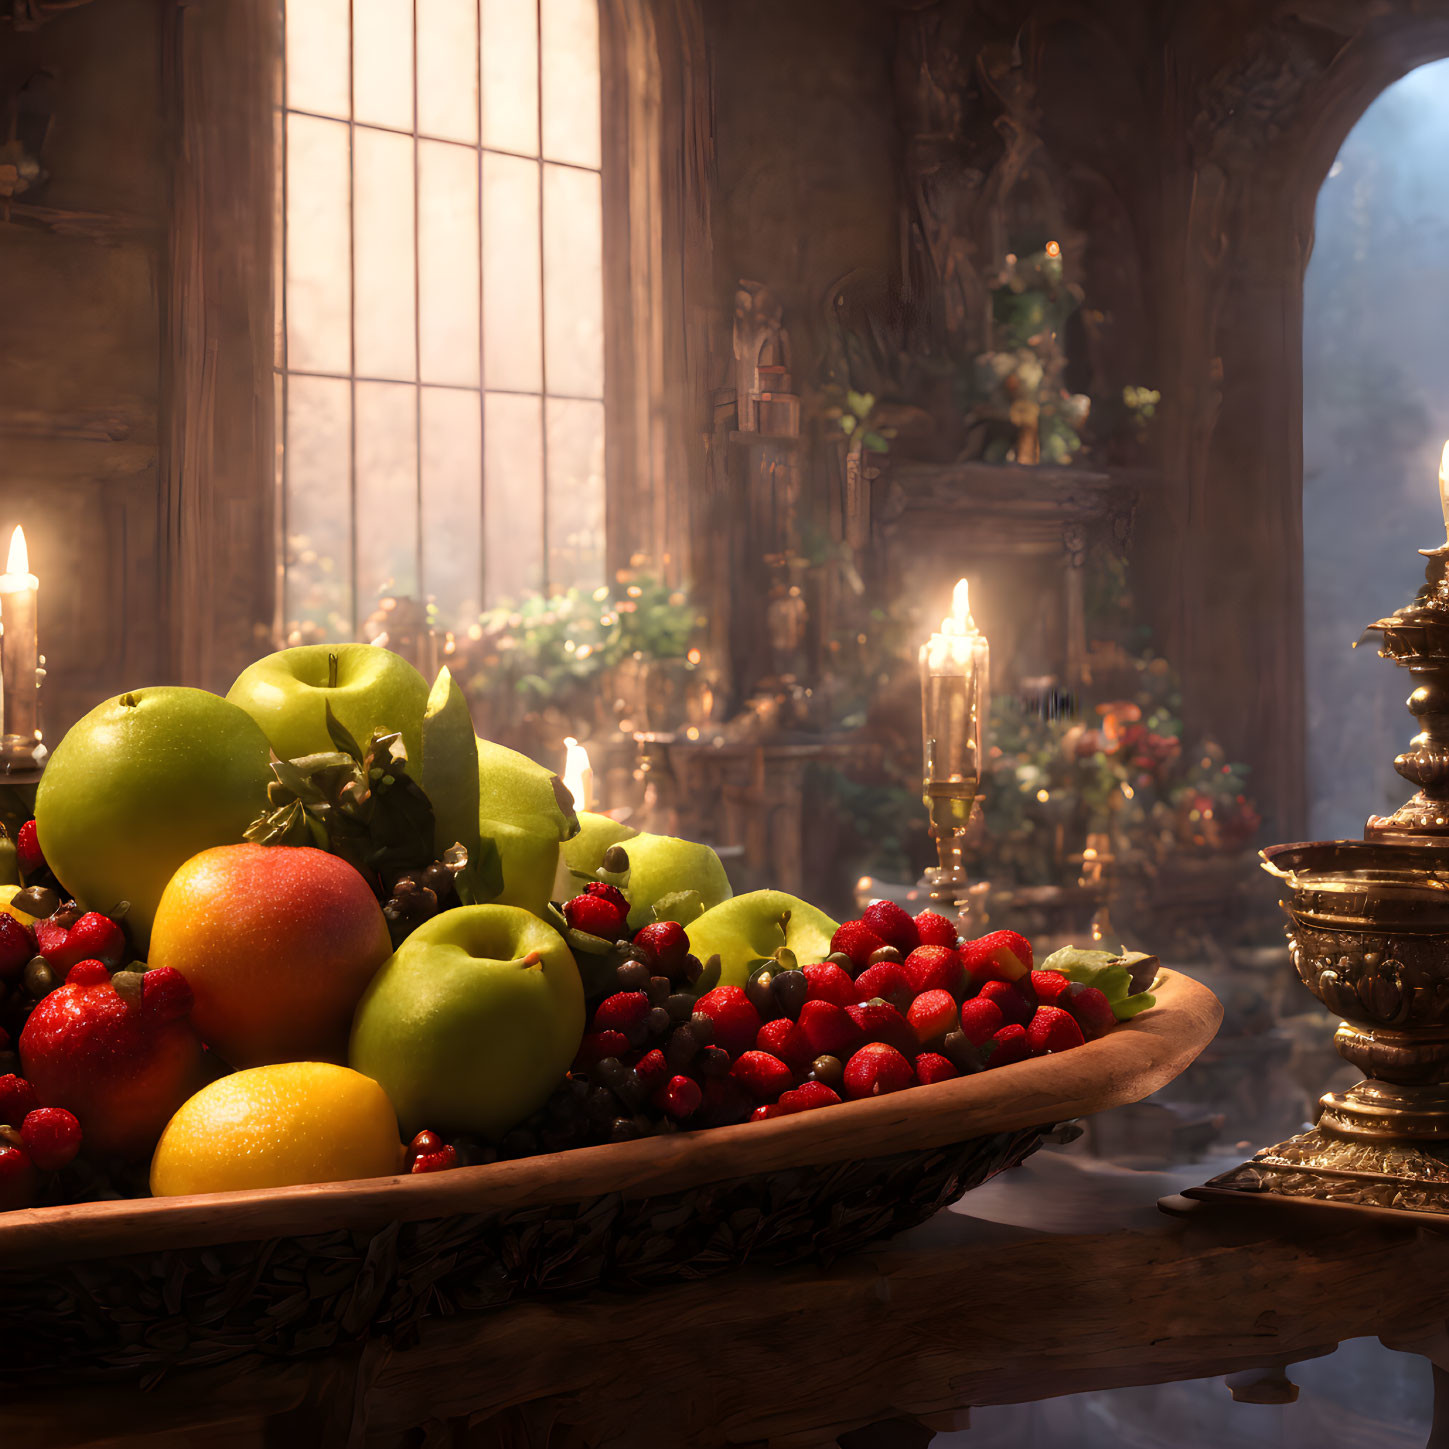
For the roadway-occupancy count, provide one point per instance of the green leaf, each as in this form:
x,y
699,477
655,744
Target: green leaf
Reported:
x,y
294,780
482,880
1130,1006
860,402
847,424
876,443
450,781
681,907
339,735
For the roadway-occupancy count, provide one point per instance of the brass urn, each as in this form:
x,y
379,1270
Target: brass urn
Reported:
x,y
1368,931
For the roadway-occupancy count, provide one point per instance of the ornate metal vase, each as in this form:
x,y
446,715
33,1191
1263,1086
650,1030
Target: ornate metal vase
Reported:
x,y
1368,929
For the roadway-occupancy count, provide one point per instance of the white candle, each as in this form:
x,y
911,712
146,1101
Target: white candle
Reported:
x,y
954,683
19,649
578,775
1444,487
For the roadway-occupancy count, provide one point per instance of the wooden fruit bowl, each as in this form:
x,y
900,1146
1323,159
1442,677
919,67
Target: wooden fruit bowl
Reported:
x,y
132,1288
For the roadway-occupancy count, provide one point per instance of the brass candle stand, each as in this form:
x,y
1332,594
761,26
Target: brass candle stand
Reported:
x,y
1368,931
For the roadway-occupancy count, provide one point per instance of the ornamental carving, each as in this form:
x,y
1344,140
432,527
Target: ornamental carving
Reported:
x,y
1377,981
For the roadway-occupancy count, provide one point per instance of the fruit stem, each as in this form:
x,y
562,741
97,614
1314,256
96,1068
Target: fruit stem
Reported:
x,y
331,671
534,958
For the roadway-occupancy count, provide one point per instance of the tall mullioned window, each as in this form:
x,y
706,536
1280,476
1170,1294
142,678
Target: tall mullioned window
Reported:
x,y
440,334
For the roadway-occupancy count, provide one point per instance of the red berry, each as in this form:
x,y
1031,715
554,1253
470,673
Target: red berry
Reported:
x,y
887,980
1001,956
663,945
880,1021
806,1097
27,850
597,1045
17,1099
1048,985
736,1022
17,946
620,1011
935,930
680,1097
52,1137
783,1038
425,1141
856,940
18,1183
441,1160
764,1077
651,1069
981,1019
94,973
893,925
93,938
1008,1045
596,916
603,891
827,982
827,1029
933,1067
935,968
1052,1030
1091,1009
1014,1006
877,1069
932,1014
165,993
766,1110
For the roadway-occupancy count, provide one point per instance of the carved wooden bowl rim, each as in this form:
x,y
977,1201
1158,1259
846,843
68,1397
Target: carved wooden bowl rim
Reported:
x,y
1129,1063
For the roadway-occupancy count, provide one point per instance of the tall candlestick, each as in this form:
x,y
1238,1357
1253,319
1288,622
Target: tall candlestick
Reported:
x,y
20,657
955,698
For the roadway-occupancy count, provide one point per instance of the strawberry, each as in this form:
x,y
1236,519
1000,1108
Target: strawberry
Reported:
x,y
1090,1007
18,1181
17,1099
680,1097
892,925
886,979
165,993
981,1019
444,1158
1048,985
935,968
936,930
763,1076
736,1022
876,1069
827,982
1008,1045
1052,1030
827,1029
620,1011
1014,1006
933,1067
663,946
52,1137
603,891
651,1069
783,1038
767,1111
1001,956
17,946
879,1021
806,1097
596,915
93,937
597,1045
93,973
856,940
27,850
931,1015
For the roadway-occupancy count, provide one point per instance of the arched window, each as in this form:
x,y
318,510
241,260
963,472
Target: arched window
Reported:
x,y
440,321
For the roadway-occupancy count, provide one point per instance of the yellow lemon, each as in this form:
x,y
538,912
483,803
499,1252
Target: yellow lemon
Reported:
x,y
8,894
278,1126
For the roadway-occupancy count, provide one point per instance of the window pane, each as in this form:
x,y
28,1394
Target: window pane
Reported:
x,y
319,506
319,302
573,270
382,242
382,62
510,75
512,348
317,56
448,69
570,32
575,493
448,263
512,495
387,492
452,504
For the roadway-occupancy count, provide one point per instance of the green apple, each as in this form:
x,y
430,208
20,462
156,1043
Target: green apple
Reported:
x,y
369,688
750,927
522,805
597,833
472,1022
659,865
140,785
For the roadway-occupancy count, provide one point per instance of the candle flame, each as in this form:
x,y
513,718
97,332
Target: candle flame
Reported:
x,y
576,761
959,620
1444,487
18,560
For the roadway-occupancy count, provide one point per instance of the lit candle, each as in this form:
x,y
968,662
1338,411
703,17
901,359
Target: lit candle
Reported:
x,y
955,695
1444,487
19,653
578,776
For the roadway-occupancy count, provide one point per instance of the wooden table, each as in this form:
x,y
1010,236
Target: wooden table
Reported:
x,y
1058,1279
